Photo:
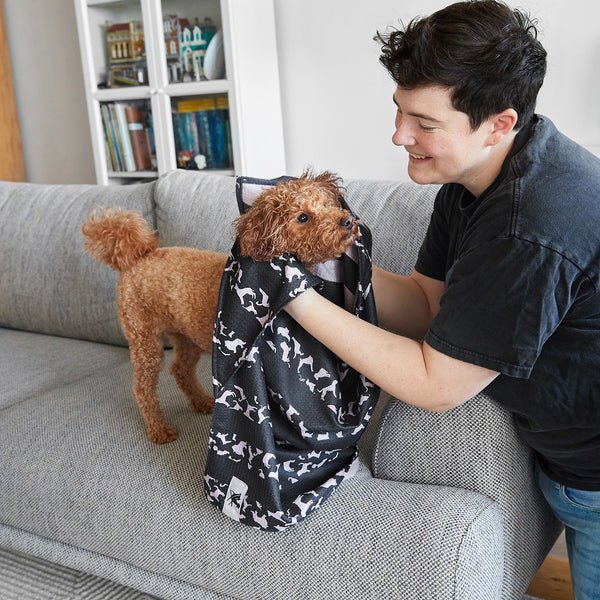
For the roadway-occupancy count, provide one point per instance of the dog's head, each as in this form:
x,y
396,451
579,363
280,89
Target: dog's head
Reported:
x,y
301,216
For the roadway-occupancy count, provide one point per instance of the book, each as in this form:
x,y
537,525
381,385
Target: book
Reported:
x,y
139,138
201,117
111,155
124,140
118,160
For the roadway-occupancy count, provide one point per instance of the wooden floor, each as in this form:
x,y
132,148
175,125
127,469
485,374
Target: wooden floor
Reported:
x,y
553,580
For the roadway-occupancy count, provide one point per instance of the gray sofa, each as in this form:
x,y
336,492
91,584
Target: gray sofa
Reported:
x,y
443,505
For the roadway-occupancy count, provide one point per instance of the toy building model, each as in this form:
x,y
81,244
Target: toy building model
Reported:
x,y
186,47
126,54
172,25
125,42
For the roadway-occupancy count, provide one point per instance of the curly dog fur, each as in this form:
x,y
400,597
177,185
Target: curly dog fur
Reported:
x,y
174,291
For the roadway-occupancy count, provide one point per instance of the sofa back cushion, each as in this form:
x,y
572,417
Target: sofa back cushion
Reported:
x,y
196,209
48,283
398,214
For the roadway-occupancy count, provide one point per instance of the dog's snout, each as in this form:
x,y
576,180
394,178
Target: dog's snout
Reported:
x,y
347,222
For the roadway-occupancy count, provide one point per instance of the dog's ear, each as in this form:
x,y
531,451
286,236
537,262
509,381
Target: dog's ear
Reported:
x,y
259,230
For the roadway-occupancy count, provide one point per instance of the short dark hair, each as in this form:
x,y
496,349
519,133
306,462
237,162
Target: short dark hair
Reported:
x,y
487,53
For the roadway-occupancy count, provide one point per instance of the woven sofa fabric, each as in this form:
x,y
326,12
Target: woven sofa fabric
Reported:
x,y
474,446
398,215
196,209
112,504
34,363
48,283
24,577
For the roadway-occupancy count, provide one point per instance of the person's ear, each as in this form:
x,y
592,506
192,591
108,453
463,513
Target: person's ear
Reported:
x,y
501,125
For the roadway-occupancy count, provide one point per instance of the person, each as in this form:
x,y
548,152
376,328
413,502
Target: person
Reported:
x,y
505,291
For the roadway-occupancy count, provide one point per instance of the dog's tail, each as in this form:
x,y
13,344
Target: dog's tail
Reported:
x,y
118,238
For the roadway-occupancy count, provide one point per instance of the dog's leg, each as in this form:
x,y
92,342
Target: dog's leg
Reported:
x,y
187,354
147,359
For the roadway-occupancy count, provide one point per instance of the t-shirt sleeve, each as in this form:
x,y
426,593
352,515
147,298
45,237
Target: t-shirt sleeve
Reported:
x,y
503,300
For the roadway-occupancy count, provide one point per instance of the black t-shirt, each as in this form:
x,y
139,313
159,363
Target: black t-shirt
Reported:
x,y
521,265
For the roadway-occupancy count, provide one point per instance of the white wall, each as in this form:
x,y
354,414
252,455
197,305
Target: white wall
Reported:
x,y
337,106
337,99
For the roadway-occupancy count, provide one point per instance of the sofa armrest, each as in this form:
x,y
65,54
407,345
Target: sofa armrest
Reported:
x,y
474,446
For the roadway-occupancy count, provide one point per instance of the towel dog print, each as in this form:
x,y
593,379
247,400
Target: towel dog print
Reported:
x,y
288,413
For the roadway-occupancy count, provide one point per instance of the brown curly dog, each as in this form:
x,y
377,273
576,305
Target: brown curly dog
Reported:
x,y
174,291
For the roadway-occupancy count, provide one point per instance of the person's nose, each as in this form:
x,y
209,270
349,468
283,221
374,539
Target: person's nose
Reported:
x,y
403,134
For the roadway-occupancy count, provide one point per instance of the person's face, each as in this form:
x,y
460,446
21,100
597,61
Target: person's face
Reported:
x,y
441,145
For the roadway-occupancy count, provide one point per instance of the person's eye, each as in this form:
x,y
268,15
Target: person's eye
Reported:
x,y
426,128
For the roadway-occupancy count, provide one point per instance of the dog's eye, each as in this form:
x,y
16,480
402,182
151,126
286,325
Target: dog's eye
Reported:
x,y
303,218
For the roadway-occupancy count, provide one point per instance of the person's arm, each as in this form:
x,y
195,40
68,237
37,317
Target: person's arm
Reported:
x,y
412,372
406,305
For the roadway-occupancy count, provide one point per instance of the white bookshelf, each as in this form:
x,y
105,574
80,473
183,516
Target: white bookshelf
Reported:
x,y
251,83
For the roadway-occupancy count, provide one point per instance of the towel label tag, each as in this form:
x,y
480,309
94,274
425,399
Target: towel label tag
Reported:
x,y
236,493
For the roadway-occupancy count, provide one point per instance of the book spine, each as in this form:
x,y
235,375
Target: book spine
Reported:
x,y
116,144
179,138
139,138
221,138
191,133
204,133
228,139
111,157
124,138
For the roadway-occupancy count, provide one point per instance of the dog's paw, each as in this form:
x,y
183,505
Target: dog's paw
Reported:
x,y
202,404
164,435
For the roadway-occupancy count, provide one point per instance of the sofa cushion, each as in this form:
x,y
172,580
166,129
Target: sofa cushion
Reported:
x,y
113,504
33,363
48,283
25,577
196,209
398,214
474,446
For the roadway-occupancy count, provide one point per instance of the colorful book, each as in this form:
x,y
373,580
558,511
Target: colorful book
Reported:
x,y
139,138
111,155
112,120
124,138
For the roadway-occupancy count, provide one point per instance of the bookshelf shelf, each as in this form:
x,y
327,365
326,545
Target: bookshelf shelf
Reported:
x,y
108,2
133,175
218,86
121,94
211,135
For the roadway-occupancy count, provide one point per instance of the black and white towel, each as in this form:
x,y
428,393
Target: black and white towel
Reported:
x,y
288,413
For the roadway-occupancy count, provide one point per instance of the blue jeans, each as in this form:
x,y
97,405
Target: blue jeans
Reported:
x,y
579,511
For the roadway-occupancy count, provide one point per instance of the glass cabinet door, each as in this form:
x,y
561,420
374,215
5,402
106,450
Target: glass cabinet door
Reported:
x,y
117,36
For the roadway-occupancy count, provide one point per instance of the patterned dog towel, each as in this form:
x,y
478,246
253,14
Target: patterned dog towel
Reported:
x,y
288,413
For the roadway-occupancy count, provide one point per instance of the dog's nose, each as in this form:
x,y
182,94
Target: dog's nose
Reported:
x,y
347,223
